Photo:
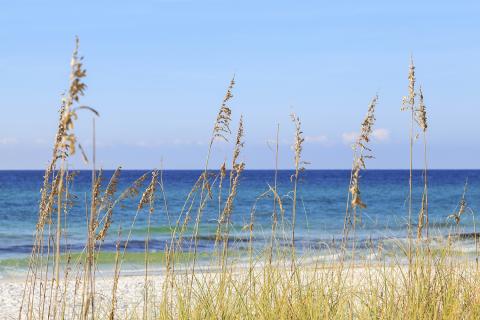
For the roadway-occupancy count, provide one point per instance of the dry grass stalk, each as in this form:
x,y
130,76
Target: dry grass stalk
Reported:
x,y
222,123
223,174
361,152
116,276
76,90
48,191
220,129
275,197
237,169
421,112
408,104
148,197
421,119
418,115
88,300
51,195
107,203
67,146
462,206
299,167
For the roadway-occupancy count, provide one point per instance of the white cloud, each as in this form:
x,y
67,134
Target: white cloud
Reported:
x,y
166,143
141,144
381,134
321,139
349,137
8,141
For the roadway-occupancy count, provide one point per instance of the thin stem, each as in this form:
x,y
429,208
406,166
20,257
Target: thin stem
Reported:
x,y
275,215
426,184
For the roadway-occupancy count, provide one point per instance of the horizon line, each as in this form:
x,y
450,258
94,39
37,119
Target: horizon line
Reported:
x,y
262,169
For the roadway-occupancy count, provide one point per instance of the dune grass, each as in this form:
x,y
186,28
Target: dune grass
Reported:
x,y
414,281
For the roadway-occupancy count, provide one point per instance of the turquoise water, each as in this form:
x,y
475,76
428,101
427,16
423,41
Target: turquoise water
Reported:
x,y
321,207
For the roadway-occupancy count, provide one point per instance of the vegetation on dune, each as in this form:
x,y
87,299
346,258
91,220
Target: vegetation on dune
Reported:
x,y
276,282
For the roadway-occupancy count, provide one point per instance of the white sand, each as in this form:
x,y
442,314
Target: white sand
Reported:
x,y
130,294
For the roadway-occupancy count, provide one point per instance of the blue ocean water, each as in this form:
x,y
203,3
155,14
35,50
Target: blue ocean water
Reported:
x,y
320,214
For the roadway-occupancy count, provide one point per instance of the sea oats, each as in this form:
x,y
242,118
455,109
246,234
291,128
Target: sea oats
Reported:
x,y
361,153
96,200
462,206
223,170
298,164
235,173
238,143
222,123
223,174
408,103
421,119
149,193
108,203
77,89
297,145
421,113
237,169
354,186
107,197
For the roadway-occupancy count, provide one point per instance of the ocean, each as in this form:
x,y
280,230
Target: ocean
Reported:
x,y
322,196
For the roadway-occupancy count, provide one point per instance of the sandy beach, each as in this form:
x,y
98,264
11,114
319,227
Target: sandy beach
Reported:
x,y
130,289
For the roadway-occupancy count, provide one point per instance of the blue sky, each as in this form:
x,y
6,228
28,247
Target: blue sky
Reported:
x,y
157,71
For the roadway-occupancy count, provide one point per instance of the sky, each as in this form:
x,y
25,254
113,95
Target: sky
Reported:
x,y
158,71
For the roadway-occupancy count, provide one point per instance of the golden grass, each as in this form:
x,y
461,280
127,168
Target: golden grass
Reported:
x,y
277,283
